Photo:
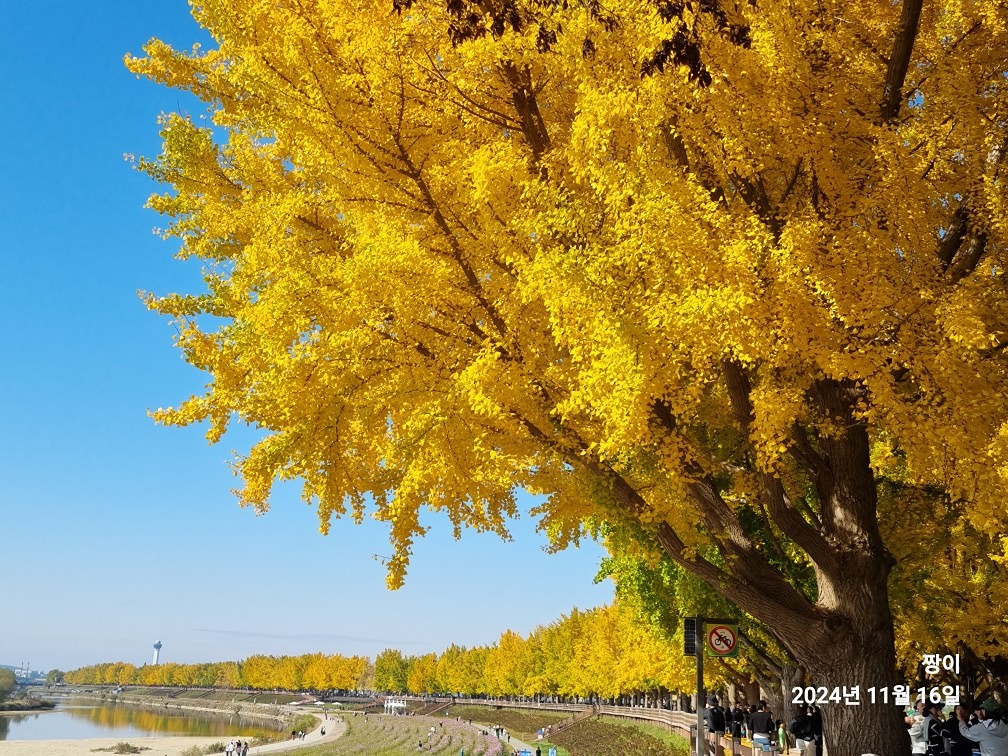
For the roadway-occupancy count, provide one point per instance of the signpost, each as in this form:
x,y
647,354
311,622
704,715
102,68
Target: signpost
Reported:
x,y
718,637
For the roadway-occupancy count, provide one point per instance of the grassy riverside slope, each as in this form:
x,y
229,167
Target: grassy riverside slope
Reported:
x,y
592,737
386,735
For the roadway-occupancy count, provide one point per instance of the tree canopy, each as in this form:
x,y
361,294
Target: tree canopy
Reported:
x,y
8,682
713,270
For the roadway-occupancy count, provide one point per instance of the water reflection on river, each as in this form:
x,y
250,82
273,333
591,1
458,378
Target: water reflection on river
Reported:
x,y
73,719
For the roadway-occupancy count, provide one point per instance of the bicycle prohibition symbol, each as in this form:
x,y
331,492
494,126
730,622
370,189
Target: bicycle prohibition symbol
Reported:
x,y
722,640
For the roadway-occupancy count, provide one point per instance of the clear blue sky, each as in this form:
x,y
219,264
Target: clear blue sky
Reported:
x,y
121,532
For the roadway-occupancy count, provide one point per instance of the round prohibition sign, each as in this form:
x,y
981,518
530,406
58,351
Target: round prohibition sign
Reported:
x,y
721,640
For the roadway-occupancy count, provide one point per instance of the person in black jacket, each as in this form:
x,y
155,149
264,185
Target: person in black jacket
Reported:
x,y
803,728
934,724
815,714
737,722
714,718
761,722
961,745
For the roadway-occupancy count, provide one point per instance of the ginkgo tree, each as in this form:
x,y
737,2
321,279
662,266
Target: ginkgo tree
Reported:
x,y
705,267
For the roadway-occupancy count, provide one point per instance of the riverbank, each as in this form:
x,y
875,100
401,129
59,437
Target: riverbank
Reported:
x,y
179,701
177,745
19,707
160,745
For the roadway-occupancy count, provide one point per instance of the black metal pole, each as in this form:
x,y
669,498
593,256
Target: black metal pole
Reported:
x,y
699,684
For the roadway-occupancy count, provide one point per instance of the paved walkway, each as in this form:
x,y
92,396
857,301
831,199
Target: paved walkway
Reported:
x,y
510,742
335,725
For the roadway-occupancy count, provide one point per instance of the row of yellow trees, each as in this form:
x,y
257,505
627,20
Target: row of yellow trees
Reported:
x,y
306,672
605,652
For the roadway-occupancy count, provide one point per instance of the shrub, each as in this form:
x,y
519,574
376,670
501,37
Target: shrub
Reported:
x,y
304,722
124,747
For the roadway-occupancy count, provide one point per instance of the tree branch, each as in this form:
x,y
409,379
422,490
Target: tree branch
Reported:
x,y
899,61
524,100
954,235
969,260
787,518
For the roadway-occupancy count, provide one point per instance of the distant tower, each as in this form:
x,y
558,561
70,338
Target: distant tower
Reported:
x,y
157,651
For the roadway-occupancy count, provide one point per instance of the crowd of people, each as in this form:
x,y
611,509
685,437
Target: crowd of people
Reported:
x,y
757,723
962,733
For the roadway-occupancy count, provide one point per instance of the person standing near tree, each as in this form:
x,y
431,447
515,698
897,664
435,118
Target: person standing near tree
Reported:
x,y
714,718
935,723
732,723
917,727
782,736
762,724
739,718
990,732
815,714
960,746
804,731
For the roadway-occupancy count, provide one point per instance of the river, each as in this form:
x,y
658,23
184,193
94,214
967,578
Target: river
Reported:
x,y
74,719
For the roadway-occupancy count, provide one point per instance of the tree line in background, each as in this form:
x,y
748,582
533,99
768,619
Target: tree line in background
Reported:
x,y
305,672
627,652
606,652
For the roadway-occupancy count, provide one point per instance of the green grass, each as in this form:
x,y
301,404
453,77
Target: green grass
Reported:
x,y
669,738
305,722
591,737
522,723
615,737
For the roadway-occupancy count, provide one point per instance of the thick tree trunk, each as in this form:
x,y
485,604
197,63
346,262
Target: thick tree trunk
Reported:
x,y
845,638
751,693
779,694
852,645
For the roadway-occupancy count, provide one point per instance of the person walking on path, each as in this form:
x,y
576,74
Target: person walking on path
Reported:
x,y
714,718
